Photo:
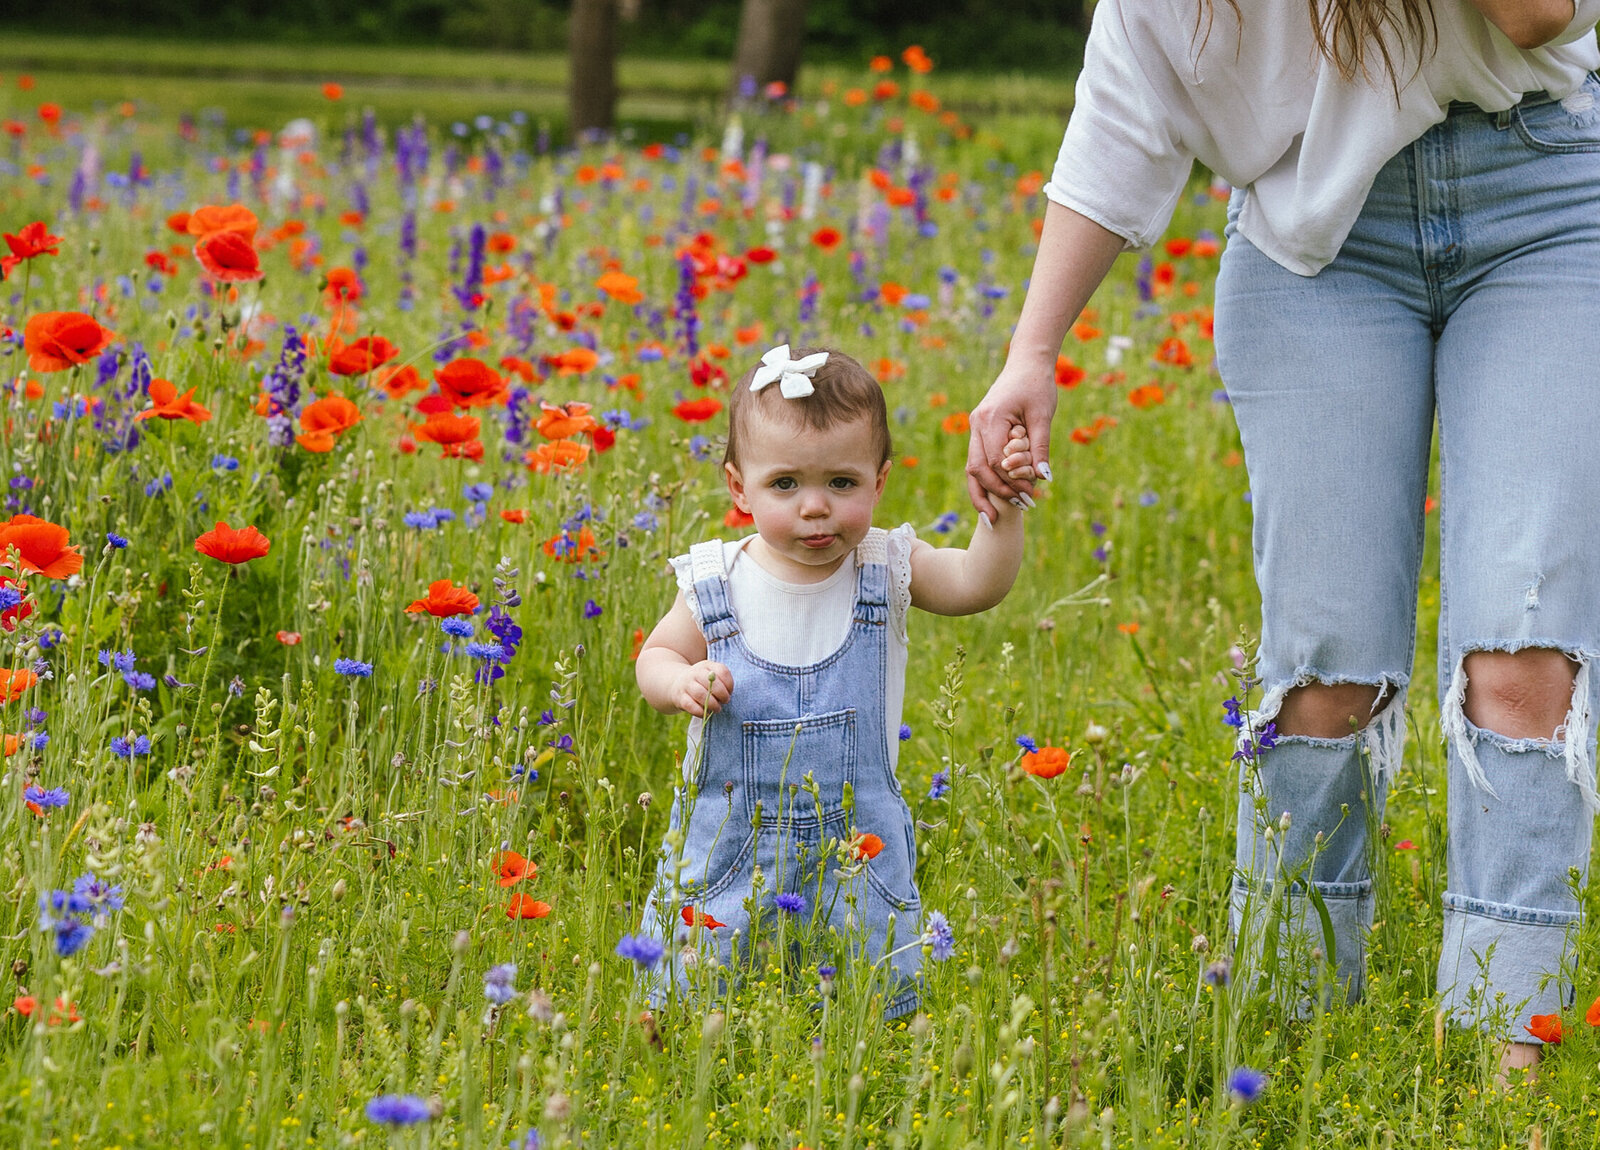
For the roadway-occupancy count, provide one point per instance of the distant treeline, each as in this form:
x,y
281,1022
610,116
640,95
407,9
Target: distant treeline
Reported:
x,y
1031,35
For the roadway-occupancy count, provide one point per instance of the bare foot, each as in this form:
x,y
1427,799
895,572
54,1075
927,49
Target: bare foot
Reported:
x,y
1519,1064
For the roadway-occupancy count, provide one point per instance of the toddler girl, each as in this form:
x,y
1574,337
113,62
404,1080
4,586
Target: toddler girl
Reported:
x,y
788,649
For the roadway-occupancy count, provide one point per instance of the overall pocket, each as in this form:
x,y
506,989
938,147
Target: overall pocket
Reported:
x,y
780,753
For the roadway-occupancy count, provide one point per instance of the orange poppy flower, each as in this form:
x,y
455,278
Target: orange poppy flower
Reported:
x,y
1068,374
469,382
289,638
211,218
562,455
511,868
1174,351
521,906
14,683
502,242
865,846
178,222
573,548
514,515
692,917
737,518
397,382
446,428
41,547
698,410
228,257
343,287
362,356
827,238
564,421
444,600
1592,1015
575,361
956,423
1546,1028
521,368
332,91
885,90
166,403
233,545
620,287
325,420
57,340
32,240
1046,762
11,616
1148,395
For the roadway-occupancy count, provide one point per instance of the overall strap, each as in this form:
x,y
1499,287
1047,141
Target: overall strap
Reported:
x,y
710,578
872,578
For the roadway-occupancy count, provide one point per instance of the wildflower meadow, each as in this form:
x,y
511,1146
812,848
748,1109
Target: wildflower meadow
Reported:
x,y
342,459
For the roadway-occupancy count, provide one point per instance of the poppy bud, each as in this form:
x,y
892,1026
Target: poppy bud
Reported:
x,y
339,889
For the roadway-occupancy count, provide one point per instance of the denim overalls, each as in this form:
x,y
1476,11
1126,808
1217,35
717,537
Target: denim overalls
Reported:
x,y
752,805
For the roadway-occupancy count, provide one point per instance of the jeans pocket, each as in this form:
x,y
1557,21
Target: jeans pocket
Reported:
x,y
1564,126
780,753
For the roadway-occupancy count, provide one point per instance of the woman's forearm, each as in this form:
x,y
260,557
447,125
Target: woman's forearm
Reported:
x,y
1075,253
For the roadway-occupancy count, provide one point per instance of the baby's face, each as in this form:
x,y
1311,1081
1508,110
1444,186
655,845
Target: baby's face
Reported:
x,y
810,492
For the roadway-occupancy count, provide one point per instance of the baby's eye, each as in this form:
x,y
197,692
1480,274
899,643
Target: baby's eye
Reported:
x,y
784,483
842,483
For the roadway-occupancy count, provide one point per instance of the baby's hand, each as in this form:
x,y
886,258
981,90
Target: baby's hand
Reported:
x,y
1017,459
702,688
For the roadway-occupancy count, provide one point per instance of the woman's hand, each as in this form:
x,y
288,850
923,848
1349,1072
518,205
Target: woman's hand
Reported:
x,y
1018,408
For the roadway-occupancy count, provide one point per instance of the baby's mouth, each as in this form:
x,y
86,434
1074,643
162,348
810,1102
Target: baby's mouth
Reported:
x,y
817,541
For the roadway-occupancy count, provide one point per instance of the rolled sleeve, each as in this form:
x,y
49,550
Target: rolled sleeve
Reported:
x,y
1585,15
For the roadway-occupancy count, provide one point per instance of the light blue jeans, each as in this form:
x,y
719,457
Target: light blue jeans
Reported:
x,y
1468,292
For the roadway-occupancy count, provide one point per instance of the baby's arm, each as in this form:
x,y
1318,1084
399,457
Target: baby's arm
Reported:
x,y
673,671
950,581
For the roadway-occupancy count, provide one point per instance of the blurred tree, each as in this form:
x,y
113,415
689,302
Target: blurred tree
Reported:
x,y
592,53
771,33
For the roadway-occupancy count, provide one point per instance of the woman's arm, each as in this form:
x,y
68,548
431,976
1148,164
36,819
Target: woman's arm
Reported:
x,y
1528,23
1075,253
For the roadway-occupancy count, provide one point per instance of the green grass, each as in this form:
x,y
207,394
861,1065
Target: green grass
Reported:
x,y
307,858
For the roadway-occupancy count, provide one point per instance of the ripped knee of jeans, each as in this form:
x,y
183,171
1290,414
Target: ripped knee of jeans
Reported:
x,y
1573,740
1381,738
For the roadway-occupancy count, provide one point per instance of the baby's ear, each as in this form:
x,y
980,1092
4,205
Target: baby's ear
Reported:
x,y
736,486
883,475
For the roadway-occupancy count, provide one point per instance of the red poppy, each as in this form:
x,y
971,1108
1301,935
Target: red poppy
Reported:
x,y
827,238
571,548
956,423
332,91
692,917
362,356
560,422
1068,374
698,410
233,544
325,420
1147,395
1592,1015
562,455
762,255
468,382
514,515
620,287
11,616
511,868
446,428
575,361
343,287
1175,352
41,547
289,638
1546,1028
521,906
1046,762
865,846
166,403
33,240
219,218
57,340
737,518
229,257
444,600
1405,845
398,382
14,683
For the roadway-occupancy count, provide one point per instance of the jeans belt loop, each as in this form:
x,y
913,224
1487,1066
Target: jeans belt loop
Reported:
x,y
1502,119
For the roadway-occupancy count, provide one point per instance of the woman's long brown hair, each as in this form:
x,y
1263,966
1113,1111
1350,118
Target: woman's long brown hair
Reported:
x,y
1355,35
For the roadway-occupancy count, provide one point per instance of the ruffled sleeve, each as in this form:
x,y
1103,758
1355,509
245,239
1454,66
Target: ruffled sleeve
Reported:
x,y
900,541
683,571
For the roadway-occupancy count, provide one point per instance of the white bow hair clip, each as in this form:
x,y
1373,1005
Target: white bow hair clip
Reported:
x,y
793,376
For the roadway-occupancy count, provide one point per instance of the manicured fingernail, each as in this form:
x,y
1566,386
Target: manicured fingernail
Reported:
x,y
1027,501
1044,470
1017,503
983,517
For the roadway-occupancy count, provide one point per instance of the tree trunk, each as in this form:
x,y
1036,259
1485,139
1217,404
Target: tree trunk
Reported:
x,y
592,88
768,49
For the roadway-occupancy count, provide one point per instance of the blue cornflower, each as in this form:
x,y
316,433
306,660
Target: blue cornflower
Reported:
x,y
593,610
1100,554
940,786
640,948
9,598
946,523
1232,717
547,718
700,448
139,681
905,731
224,463
1245,1085
646,521
1149,499
1217,973
499,983
457,626
484,651
117,541
790,903
648,354
1096,528
826,971
40,797
938,937
64,902
121,661
126,749
421,520
72,934
478,492
441,515
97,891
527,1141
399,1109
1026,743
353,668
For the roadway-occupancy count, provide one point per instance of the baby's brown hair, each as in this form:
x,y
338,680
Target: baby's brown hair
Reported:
x,y
842,392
